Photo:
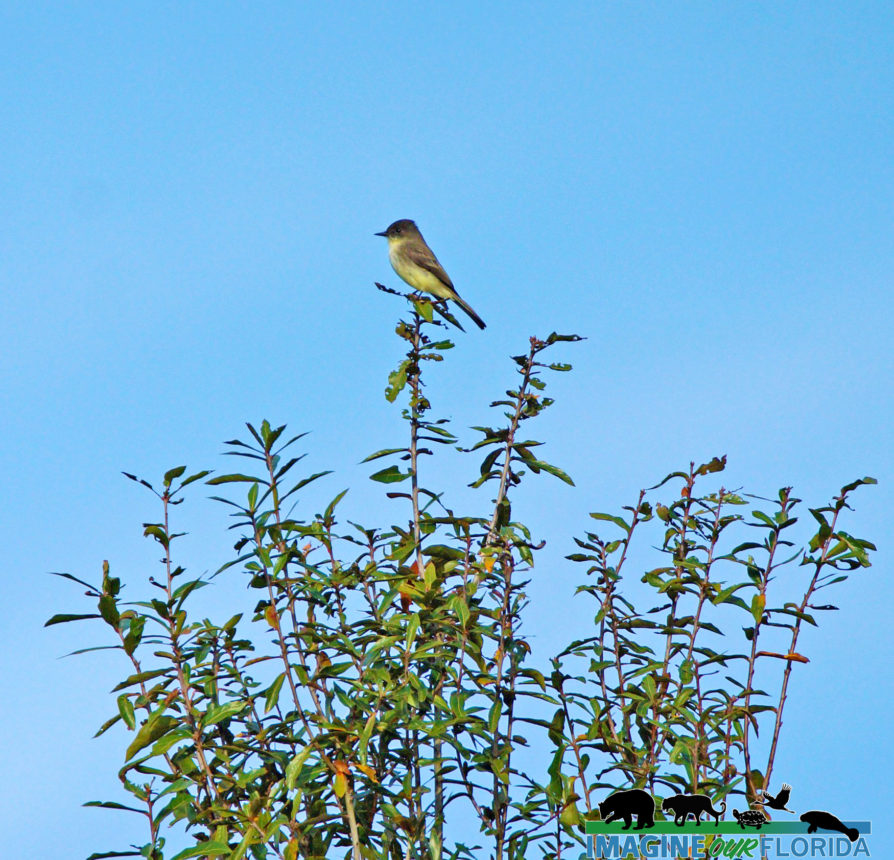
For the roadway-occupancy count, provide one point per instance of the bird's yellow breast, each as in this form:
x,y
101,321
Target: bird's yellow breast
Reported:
x,y
415,275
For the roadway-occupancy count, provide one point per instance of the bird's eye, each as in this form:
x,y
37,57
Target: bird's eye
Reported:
x,y
397,229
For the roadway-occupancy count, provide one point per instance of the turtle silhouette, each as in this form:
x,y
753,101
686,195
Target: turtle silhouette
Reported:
x,y
826,821
750,818
779,801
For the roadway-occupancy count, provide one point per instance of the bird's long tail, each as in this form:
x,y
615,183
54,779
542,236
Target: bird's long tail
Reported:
x,y
465,306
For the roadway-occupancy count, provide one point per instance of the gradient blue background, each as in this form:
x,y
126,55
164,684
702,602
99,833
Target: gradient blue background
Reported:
x,y
189,193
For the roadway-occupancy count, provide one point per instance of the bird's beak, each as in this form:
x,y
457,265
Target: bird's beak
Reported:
x,y
380,234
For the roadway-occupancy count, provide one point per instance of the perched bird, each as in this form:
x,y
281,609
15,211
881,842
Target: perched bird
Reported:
x,y
415,263
780,800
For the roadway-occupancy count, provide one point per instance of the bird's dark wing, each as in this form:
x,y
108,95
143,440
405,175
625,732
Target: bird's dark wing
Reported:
x,y
427,260
424,258
783,796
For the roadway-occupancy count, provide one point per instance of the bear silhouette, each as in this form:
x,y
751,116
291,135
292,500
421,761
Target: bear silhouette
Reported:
x,y
626,804
696,805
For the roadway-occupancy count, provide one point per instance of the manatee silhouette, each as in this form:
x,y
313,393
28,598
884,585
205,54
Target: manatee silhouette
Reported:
x,y
827,821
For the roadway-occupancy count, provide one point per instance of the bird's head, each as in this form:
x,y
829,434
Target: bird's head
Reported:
x,y
400,230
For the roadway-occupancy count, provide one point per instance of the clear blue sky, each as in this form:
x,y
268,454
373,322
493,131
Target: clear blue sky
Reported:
x,y
189,192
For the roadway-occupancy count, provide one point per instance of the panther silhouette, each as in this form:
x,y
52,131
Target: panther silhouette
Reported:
x,y
696,805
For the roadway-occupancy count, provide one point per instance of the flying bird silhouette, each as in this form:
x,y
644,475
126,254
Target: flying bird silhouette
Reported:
x,y
780,800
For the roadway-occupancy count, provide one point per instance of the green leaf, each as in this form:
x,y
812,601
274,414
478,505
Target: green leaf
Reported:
x,y
196,477
424,309
618,521
724,595
161,746
461,608
157,725
94,648
158,533
142,481
500,771
758,602
107,725
173,474
854,484
134,634
365,736
493,719
568,338
553,470
231,479
397,379
222,712
90,589
125,708
372,652
766,520
103,854
443,552
556,727
272,696
487,463
294,766
204,849
391,475
330,508
670,477
412,629
718,464
139,678
186,589
305,481
444,312
62,619
110,804
383,453
109,610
